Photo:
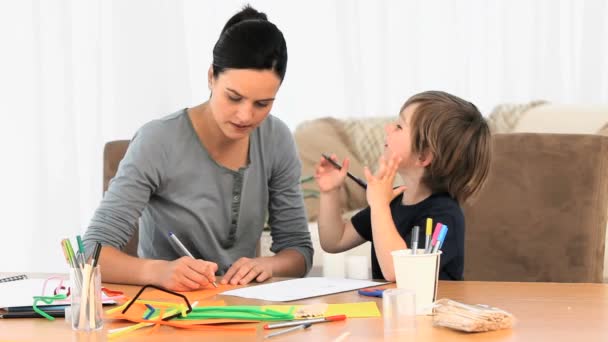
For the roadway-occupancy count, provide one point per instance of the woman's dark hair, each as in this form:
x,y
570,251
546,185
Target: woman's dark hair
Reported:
x,y
250,41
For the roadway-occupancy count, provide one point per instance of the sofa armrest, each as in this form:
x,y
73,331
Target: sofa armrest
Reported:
x,y
541,216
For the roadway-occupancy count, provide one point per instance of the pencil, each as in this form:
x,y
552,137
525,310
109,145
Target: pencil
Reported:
x,y
350,175
32,314
299,327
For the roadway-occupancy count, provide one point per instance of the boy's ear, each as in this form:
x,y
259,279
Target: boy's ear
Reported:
x,y
425,158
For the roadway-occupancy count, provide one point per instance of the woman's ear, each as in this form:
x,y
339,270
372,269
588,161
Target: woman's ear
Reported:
x,y
425,158
210,78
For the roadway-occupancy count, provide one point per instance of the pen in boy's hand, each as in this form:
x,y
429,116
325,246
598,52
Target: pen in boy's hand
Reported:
x,y
339,167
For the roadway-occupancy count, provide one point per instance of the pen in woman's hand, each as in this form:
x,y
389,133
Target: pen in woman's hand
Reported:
x,y
184,250
339,167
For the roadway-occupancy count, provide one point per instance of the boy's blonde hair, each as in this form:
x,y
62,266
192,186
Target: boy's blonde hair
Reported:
x,y
458,137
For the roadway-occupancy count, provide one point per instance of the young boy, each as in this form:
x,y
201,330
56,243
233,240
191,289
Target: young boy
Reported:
x,y
440,146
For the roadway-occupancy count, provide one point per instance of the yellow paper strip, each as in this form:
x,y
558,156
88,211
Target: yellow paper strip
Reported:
x,y
351,310
354,310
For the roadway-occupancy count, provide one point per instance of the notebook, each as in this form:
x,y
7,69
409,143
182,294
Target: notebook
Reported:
x,y
19,292
13,278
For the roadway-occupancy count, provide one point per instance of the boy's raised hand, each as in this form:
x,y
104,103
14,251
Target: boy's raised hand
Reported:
x,y
380,190
327,176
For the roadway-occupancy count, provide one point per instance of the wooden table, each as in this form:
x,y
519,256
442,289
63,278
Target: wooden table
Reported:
x,y
544,311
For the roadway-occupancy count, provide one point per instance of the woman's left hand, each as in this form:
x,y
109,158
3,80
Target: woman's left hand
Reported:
x,y
380,190
245,270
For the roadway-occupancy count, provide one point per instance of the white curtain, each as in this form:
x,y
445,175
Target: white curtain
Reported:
x,y
76,74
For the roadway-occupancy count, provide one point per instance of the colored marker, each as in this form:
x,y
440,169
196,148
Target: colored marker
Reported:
x,y
80,244
64,248
96,252
435,235
429,231
443,239
415,233
440,238
71,255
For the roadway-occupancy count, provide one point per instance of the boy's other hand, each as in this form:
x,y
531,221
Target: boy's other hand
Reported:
x,y
327,176
380,190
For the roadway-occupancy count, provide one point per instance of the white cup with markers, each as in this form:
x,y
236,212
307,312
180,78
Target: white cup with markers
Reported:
x,y
419,273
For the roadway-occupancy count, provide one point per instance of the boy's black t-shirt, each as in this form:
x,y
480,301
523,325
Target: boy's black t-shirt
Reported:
x,y
441,208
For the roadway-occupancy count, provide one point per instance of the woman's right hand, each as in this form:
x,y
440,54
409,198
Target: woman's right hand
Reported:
x,y
327,176
186,274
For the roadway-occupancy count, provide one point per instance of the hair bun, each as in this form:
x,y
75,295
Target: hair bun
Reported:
x,y
250,41
247,13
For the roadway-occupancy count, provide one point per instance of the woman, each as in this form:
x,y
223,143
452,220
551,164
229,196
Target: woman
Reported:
x,y
211,174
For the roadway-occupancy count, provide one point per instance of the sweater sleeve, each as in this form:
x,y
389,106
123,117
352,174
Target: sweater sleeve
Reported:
x,y
138,176
287,216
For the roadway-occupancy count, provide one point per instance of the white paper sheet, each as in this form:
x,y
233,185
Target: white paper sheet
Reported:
x,y
294,289
20,292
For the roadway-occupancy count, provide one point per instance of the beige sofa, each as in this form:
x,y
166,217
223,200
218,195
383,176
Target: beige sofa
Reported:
x,y
356,138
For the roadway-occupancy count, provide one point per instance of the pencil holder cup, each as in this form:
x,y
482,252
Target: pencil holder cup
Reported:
x,y
418,272
86,309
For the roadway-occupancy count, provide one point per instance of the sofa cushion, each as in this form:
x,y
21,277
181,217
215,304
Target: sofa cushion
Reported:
x,y
603,130
366,136
559,118
326,135
505,117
